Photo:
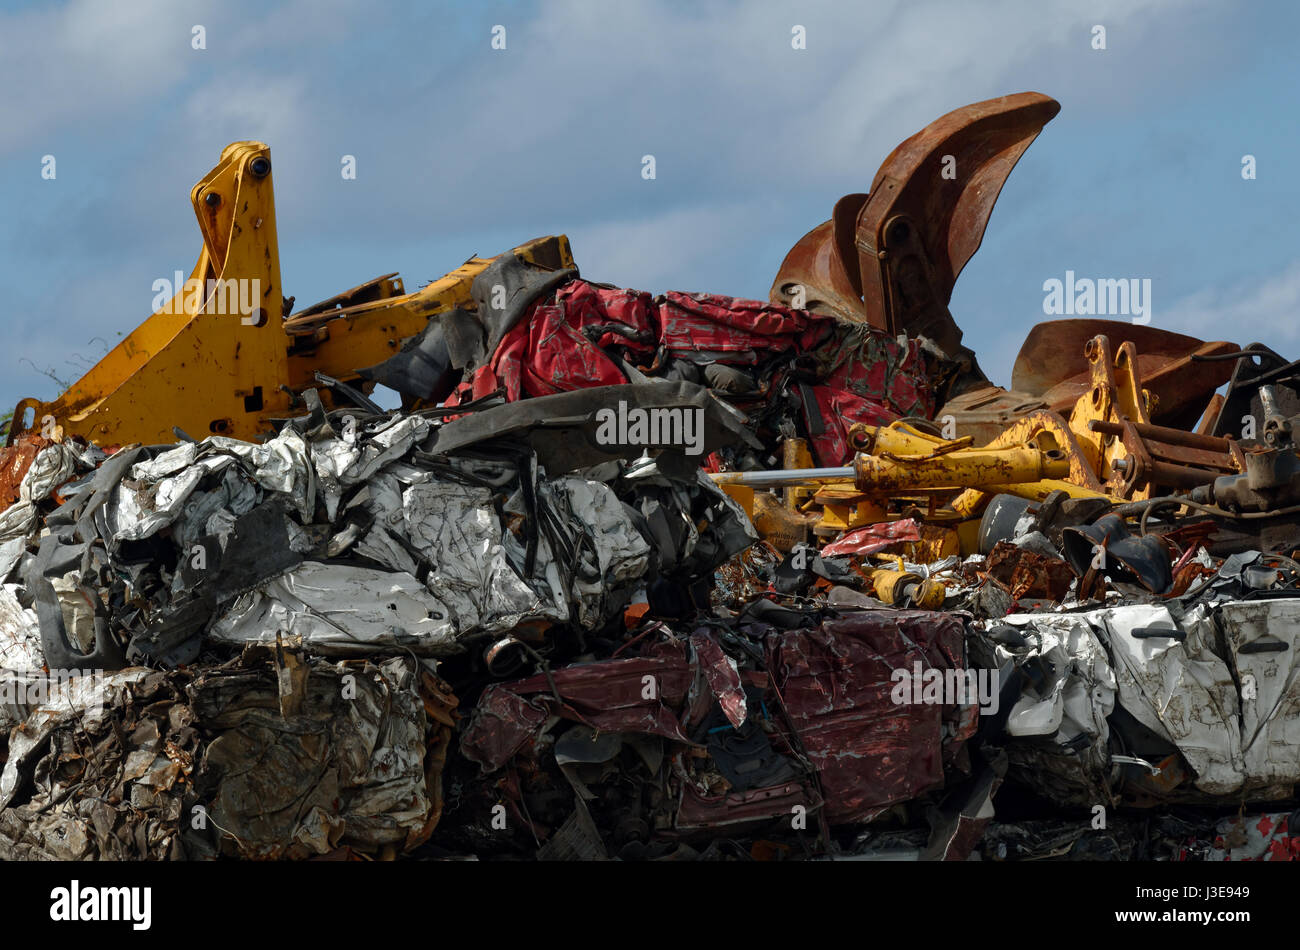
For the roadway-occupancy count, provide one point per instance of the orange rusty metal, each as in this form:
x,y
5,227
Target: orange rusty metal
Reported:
x,y
1052,366
891,258
15,460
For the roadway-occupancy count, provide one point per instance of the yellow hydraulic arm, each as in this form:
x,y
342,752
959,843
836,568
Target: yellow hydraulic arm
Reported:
x,y
218,357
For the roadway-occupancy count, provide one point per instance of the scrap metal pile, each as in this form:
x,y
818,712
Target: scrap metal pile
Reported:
x,y
687,577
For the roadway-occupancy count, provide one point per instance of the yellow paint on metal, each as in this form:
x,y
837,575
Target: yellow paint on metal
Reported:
x,y
972,501
1049,432
843,508
968,537
795,454
893,586
197,367
1115,395
216,359
742,495
777,524
960,468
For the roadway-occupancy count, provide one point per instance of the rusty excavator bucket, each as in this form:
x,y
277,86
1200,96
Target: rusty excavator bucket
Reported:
x,y
890,257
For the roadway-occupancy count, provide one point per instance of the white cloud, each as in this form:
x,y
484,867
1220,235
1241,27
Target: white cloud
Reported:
x,y
674,250
270,108
1255,311
88,61
726,80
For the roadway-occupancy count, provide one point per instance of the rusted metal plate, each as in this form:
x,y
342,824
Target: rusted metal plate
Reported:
x,y
983,413
984,141
837,682
817,265
891,258
1028,574
1052,365
15,460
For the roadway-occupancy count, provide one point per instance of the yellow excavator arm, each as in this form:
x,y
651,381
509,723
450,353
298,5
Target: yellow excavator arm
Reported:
x,y
221,355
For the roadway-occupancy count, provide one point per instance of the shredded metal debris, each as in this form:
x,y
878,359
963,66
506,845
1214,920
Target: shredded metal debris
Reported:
x,y
674,578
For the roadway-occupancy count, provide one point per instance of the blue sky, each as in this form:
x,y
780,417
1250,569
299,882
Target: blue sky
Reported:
x,y
462,149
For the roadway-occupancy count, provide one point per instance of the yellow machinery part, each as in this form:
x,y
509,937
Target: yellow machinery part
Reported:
x,y
971,502
796,454
845,508
1116,395
893,586
219,358
1046,428
198,362
893,475
777,524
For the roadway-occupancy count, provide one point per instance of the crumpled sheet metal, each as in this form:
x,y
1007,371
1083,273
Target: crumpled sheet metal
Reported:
x,y
836,682
140,509
739,771
565,342
1030,574
342,463
156,491
723,677
98,772
271,755
44,466
611,696
1231,718
282,464
1264,637
342,766
471,591
17,521
1079,696
351,534
622,555
454,527
341,610
872,538
958,824
1181,690
1272,836
20,635
52,466
563,428
583,336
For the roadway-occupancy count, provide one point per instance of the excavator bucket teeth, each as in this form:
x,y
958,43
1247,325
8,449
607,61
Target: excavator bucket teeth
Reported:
x,y
891,258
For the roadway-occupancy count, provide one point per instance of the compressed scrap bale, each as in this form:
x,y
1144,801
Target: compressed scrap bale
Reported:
x,y
334,757
838,682
100,771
